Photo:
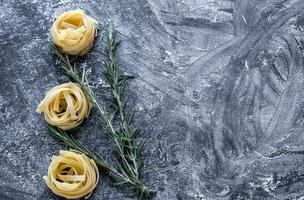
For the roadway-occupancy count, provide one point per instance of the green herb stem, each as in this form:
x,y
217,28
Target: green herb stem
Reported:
x,y
130,164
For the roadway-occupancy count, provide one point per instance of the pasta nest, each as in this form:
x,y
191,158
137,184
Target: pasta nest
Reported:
x,y
72,175
65,106
74,32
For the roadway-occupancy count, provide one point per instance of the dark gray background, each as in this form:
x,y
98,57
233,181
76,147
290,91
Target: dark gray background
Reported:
x,y
219,95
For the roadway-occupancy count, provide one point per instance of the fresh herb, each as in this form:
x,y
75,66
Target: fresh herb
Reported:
x,y
128,153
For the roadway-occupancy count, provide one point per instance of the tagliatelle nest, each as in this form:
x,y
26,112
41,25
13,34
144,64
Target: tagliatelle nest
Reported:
x,y
72,175
74,32
65,106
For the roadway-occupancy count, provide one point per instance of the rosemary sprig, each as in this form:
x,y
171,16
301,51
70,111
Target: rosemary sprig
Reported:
x,y
127,151
129,164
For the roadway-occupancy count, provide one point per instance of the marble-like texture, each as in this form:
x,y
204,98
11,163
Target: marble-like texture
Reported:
x,y
219,95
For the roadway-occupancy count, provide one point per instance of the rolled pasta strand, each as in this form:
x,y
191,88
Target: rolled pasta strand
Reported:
x,y
65,106
74,32
72,175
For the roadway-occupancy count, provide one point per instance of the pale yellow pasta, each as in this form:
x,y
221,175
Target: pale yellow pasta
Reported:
x,y
65,106
74,32
72,175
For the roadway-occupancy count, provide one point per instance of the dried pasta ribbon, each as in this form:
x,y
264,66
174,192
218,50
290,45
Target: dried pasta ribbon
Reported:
x,y
74,32
72,175
65,106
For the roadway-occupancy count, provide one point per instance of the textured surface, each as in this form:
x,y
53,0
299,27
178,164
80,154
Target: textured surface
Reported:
x,y
219,95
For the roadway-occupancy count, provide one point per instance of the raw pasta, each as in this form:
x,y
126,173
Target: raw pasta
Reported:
x,y
74,32
72,175
65,106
